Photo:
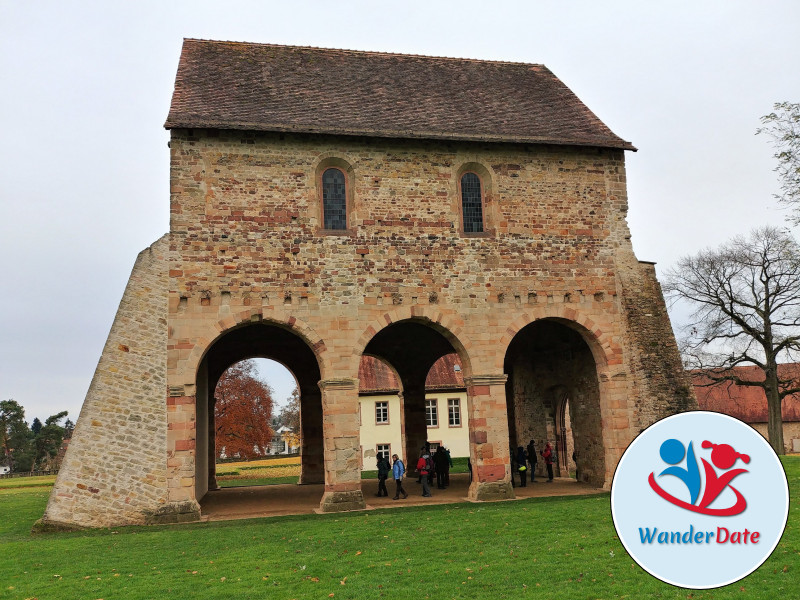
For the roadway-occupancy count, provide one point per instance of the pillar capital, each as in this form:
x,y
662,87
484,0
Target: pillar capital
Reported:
x,y
486,380
344,383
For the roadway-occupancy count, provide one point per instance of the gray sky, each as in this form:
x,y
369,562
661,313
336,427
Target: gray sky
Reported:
x,y
85,89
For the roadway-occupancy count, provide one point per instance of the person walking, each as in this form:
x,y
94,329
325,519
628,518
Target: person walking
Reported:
x,y
522,466
424,467
532,459
547,455
440,464
449,466
398,470
383,474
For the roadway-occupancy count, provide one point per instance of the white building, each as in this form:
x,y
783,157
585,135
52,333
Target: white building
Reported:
x,y
380,410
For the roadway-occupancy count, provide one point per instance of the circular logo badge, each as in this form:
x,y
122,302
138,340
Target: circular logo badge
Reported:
x,y
699,500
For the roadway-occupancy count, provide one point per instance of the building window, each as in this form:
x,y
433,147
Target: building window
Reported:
x,y
381,413
471,203
383,450
431,413
334,199
454,412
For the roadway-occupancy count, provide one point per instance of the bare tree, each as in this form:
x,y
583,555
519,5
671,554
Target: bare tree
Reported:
x,y
783,126
745,298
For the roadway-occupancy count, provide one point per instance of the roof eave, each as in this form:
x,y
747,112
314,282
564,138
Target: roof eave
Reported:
x,y
618,144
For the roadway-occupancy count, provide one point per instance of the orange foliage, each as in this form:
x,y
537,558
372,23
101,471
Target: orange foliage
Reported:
x,y
242,412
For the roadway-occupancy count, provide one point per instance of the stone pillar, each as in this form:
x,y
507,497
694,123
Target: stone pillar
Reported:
x,y
212,447
312,456
416,431
341,446
488,436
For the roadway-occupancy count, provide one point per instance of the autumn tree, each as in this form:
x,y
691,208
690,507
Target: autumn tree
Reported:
x,y
290,413
782,125
242,412
745,298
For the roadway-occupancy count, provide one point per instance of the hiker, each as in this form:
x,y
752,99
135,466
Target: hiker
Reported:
x,y
532,459
424,467
398,470
449,466
522,462
383,473
547,455
440,464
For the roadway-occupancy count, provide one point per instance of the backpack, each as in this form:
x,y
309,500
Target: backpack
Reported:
x,y
429,464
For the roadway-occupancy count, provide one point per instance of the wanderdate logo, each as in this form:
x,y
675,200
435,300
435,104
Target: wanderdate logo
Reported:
x,y
699,500
723,457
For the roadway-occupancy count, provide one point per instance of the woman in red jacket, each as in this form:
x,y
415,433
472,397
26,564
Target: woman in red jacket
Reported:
x,y
547,455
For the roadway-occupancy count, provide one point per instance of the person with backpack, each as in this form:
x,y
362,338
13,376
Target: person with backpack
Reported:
x,y
522,462
424,468
398,470
440,464
547,455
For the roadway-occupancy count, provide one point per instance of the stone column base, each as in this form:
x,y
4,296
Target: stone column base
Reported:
x,y
342,501
311,474
175,512
489,491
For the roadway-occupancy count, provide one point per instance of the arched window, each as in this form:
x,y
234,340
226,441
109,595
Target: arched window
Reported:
x,y
334,199
471,203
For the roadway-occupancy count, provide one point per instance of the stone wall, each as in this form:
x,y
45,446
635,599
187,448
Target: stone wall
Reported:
x,y
115,469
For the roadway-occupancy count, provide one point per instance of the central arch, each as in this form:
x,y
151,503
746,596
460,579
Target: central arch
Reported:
x,y
259,340
411,347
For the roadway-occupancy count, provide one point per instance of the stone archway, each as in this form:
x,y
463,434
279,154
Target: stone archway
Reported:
x,y
264,340
549,363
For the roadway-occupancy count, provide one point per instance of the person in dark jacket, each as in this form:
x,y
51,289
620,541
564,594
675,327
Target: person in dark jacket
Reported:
x,y
383,473
440,464
532,459
522,466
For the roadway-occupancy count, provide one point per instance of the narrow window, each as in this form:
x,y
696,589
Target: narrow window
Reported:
x,y
454,412
381,413
334,199
471,203
431,414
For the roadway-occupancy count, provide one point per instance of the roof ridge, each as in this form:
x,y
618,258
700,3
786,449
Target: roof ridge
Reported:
x,y
372,52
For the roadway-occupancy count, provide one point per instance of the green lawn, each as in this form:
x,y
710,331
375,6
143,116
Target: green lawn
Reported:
x,y
540,548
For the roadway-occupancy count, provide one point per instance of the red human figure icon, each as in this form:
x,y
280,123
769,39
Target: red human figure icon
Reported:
x,y
724,457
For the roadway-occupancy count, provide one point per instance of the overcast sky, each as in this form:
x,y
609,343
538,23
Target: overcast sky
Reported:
x,y
85,89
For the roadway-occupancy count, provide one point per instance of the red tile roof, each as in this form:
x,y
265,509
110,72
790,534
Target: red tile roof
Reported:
x,y
746,403
376,376
266,87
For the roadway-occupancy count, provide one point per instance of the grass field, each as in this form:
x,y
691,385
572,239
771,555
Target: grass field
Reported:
x,y
538,548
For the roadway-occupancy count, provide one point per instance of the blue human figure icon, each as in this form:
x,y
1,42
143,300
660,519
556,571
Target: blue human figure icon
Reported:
x,y
672,452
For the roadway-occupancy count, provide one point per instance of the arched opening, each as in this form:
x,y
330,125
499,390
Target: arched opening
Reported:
x,y
553,395
411,348
381,411
256,425
265,341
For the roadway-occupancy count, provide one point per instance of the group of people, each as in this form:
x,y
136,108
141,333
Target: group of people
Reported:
x,y
439,464
428,465
522,457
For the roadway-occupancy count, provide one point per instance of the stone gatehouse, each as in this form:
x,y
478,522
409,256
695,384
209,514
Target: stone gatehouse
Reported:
x,y
331,204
